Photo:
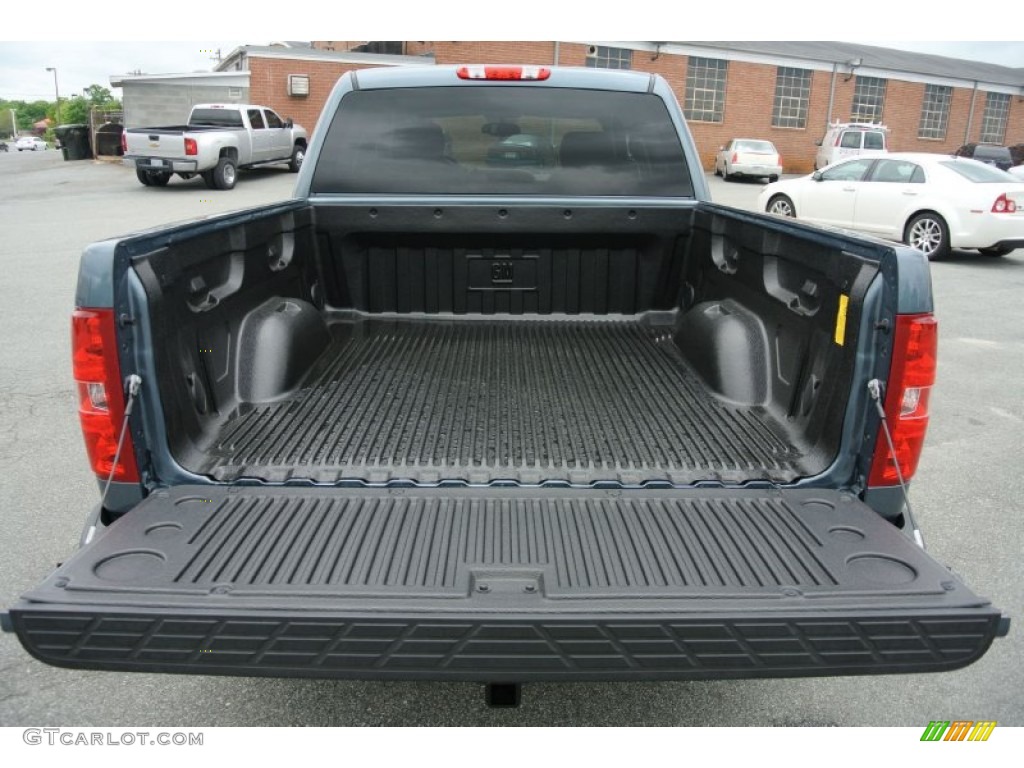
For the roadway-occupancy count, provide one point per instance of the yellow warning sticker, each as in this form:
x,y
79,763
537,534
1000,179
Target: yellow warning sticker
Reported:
x,y
844,301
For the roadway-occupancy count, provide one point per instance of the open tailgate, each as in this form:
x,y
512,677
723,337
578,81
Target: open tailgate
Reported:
x,y
506,584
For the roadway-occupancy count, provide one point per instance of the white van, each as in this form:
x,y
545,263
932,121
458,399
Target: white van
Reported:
x,y
844,140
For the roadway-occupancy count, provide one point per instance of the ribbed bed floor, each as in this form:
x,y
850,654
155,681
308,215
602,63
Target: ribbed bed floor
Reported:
x,y
485,400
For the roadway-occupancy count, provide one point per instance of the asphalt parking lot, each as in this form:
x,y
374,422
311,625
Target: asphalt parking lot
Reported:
x,y
968,499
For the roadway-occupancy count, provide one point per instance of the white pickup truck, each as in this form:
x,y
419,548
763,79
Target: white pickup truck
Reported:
x,y
217,141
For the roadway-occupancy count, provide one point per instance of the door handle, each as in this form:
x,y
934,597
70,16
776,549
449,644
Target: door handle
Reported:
x,y
908,193
849,189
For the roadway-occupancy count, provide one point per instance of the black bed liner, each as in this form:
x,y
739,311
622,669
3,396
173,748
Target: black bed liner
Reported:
x,y
480,400
504,584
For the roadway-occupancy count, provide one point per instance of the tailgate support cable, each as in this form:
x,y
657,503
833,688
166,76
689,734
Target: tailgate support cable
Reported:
x,y
875,388
134,382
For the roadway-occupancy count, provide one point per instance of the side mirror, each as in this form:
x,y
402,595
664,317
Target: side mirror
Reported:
x,y
816,175
721,149
818,143
288,123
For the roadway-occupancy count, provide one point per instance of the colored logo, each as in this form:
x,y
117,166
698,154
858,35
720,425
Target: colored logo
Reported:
x,y
958,730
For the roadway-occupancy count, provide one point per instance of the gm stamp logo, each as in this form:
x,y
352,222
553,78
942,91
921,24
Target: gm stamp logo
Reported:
x,y
958,730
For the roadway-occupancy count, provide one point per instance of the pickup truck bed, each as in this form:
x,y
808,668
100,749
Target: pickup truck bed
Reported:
x,y
487,399
528,352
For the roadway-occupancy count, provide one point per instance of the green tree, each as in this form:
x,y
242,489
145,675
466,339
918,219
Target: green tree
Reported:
x,y
32,112
73,110
101,98
97,95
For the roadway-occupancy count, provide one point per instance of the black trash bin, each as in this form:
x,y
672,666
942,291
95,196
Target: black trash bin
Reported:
x,y
61,133
74,141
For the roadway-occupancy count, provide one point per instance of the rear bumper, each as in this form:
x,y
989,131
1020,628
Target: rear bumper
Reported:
x,y
989,230
162,164
746,169
391,645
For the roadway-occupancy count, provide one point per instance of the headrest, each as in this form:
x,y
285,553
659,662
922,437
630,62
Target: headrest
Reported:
x,y
424,140
583,148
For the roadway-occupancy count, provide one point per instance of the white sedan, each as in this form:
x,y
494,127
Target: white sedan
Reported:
x,y
748,157
29,142
931,202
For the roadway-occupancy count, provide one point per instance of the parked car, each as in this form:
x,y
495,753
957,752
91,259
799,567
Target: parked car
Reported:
x,y
845,140
522,150
3,146
932,202
30,142
748,157
992,154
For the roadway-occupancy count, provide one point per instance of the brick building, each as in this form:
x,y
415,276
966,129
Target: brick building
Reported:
x,y
296,82
786,92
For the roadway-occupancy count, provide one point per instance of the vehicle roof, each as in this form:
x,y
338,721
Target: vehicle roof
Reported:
x,y
866,126
561,77
222,105
917,157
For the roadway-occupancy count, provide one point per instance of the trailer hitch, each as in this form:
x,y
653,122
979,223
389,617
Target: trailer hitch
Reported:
x,y
503,695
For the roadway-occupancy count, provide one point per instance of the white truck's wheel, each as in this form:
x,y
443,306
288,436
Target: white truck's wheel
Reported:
x,y
225,174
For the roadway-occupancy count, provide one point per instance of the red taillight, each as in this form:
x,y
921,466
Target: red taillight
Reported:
x,y
481,72
778,160
735,157
1003,204
911,377
124,141
190,147
100,393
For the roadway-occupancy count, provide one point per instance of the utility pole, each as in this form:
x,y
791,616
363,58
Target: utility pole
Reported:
x,y
56,90
14,125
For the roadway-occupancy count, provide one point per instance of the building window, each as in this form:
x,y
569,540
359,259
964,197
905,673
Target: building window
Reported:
x,y
934,112
993,122
868,100
604,57
705,89
792,96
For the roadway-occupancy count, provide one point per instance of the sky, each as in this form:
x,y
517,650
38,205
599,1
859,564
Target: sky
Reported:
x,y
23,74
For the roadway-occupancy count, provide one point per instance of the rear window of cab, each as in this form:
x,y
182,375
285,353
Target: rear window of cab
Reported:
x,y
492,139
